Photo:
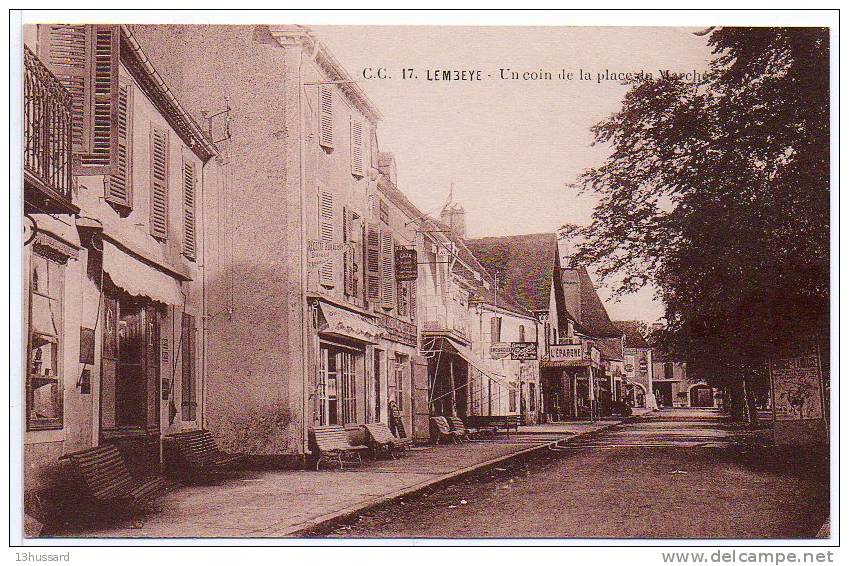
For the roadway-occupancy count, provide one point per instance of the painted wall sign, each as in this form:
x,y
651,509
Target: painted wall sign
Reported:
x,y
499,350
565,352
320,253
523,350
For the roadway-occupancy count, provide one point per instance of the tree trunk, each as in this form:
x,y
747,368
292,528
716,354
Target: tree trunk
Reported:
x,y
751,405
736,401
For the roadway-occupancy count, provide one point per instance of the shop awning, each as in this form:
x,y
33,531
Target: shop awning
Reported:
x,y
477,363
348,324
139,279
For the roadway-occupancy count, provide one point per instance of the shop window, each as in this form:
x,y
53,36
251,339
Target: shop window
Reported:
x,y
337,386
44,380
396,381
347,370
532,397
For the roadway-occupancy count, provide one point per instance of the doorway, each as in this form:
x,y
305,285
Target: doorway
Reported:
x,y
130,371
663,394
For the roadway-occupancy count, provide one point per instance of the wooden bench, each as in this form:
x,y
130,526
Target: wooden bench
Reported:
x,y
439,425
468,432
332,443
381,439
199,451
505,422
105,477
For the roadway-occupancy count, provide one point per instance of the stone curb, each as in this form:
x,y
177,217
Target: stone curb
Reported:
x,y
339,516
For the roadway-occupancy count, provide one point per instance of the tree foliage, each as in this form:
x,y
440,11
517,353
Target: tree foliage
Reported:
x,y
717,192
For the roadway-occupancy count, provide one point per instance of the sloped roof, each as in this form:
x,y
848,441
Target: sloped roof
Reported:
x,y
506,300
633,337
524,264
594,318
610,348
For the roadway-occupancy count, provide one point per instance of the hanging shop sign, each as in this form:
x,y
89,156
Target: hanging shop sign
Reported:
x,y
500,350
406,264
565,352
523,351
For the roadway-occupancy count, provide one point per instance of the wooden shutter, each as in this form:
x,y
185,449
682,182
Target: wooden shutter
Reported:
x,y
158,183
348,258
495,329
119,185
189,221
326,230
387,268
373,282
85,59
325,116
356,148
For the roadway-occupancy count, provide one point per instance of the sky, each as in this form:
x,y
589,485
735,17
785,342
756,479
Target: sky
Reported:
x,y
510,147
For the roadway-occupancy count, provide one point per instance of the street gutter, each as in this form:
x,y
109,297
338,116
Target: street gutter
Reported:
x,y
328,520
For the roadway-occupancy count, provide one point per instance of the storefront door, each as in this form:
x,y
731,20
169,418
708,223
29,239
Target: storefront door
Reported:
x,y
129,411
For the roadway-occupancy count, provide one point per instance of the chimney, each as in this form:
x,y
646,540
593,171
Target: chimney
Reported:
x,y
454,216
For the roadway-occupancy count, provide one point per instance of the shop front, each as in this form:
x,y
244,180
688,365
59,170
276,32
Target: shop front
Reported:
x,y
135,354
349,386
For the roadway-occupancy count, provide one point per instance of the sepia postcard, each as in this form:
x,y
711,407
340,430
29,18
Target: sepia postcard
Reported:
x,y
284,279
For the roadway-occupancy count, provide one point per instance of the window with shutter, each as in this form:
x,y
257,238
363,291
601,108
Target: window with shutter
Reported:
x,y
85,59
387,271
326,224
373,281
325,116
189,220
495,329
158,183
119,185
356,148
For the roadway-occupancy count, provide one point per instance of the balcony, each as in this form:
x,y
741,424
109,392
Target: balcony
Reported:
x,y
443,315
47,141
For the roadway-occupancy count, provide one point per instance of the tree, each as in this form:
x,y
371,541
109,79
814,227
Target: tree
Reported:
x,y
717,192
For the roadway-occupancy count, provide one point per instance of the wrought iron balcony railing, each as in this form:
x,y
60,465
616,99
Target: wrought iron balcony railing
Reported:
x,y
47,139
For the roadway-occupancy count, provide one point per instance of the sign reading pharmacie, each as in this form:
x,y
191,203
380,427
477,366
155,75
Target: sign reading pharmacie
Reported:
x,y
523,351
406,264
565,352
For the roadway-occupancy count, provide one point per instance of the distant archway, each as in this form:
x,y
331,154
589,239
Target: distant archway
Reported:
x,y
700,395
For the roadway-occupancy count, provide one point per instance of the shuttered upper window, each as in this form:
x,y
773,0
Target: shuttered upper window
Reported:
x,y
373,265
325,116
85,60
357,148
158,183
119,186
190,180
387,269
326,228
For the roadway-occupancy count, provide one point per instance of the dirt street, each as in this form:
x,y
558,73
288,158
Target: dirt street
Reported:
x,y
677,474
